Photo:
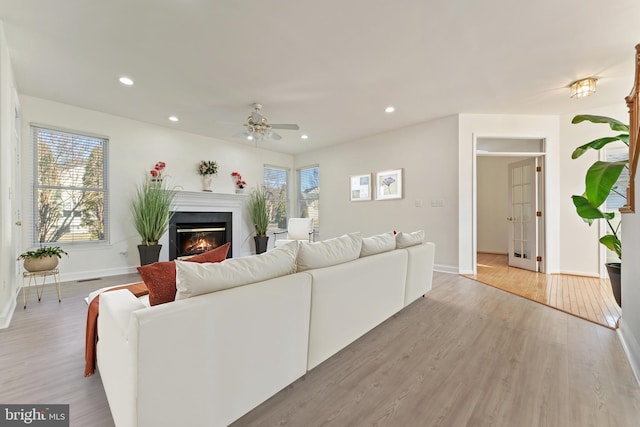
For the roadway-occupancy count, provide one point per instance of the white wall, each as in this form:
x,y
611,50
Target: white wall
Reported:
x,y
428,154
580,251
472,126
630,321
493,204
134,147
8,270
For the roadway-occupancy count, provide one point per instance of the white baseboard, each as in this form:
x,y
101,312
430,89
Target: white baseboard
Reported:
x,y
7,312
445,269
631,347
86,275
580,273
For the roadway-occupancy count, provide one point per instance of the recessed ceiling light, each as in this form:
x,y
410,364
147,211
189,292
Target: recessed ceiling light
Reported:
x,y
174,119
126,81
305,136
250,137
389,109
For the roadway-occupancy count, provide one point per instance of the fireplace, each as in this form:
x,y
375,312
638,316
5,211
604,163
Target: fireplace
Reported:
x,y
191,233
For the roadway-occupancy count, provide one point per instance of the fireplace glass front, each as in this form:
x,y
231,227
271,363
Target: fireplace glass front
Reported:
x,y
191,233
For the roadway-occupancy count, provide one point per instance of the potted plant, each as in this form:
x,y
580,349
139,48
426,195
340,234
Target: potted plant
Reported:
x,y
42,259
600,182
151,207
259,215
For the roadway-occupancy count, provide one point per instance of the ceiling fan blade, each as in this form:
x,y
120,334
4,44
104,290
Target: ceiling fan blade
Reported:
x,y
285,126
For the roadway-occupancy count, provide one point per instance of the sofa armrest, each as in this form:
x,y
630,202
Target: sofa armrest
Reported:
x,y
117,306
419,271
117,353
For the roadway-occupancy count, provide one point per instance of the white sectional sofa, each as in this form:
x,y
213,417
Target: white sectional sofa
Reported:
x,y
208,359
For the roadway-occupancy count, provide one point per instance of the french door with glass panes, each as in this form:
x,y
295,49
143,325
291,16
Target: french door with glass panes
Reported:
x,y
523,224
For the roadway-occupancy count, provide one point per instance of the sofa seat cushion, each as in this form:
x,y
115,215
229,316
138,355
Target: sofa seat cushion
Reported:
x,y
194,279
160,277
329,252
377,244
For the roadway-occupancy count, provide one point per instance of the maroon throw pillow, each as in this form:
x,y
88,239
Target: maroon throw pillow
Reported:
x,y
215,255
160,277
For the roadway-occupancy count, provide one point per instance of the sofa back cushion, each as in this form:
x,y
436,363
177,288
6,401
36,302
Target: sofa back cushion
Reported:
x,y
377,244
405,240
329,252
160,277
194,279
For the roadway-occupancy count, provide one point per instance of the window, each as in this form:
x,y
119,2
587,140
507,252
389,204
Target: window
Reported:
x,y
309,194
70,191
276,183
618,197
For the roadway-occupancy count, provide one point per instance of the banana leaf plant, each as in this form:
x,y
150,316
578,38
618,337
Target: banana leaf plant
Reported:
x,y
601,179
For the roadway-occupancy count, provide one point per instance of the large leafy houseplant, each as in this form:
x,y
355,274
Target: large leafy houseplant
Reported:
x,y
600,183
601,179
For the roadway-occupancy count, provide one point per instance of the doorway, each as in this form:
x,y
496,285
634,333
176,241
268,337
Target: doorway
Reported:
x,y
509,201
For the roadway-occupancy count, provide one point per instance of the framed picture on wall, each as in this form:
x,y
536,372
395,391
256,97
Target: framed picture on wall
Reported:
x,y
360,187
389,184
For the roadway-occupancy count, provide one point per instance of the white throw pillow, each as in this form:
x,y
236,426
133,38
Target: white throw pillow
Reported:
x,y
194,279
329,252
404,240
377,244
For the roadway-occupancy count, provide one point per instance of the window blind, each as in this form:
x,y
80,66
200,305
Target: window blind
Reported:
x,y
614,154
276,183
309,194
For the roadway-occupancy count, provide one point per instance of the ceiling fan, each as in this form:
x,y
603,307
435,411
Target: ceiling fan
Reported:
x,y
258,128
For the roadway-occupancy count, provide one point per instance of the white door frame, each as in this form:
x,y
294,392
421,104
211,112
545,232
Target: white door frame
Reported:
x,y
542,199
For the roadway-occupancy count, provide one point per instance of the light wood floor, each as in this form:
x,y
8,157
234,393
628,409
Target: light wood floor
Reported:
x,y
589,298
466,355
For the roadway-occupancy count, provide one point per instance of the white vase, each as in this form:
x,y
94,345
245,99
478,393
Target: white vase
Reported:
x,y
206,182
239,190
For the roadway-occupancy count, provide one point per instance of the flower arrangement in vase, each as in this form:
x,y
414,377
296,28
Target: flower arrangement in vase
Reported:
x,y
207,169
239,182
156,172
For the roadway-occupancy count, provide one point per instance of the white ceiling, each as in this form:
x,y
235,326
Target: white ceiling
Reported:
x,y
331,66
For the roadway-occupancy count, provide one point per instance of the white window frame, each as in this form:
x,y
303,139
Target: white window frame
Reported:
x,y
72,137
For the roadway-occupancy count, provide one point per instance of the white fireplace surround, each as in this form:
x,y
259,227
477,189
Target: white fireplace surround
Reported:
x,y
202,201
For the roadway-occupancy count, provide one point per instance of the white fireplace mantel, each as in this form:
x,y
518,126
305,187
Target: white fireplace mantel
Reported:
x,y
202,201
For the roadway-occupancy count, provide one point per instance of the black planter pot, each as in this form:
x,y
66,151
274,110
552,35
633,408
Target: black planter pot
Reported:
x,y
613,269
261,243
149,253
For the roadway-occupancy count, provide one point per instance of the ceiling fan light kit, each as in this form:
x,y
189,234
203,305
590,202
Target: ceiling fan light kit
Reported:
x,y
258,128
